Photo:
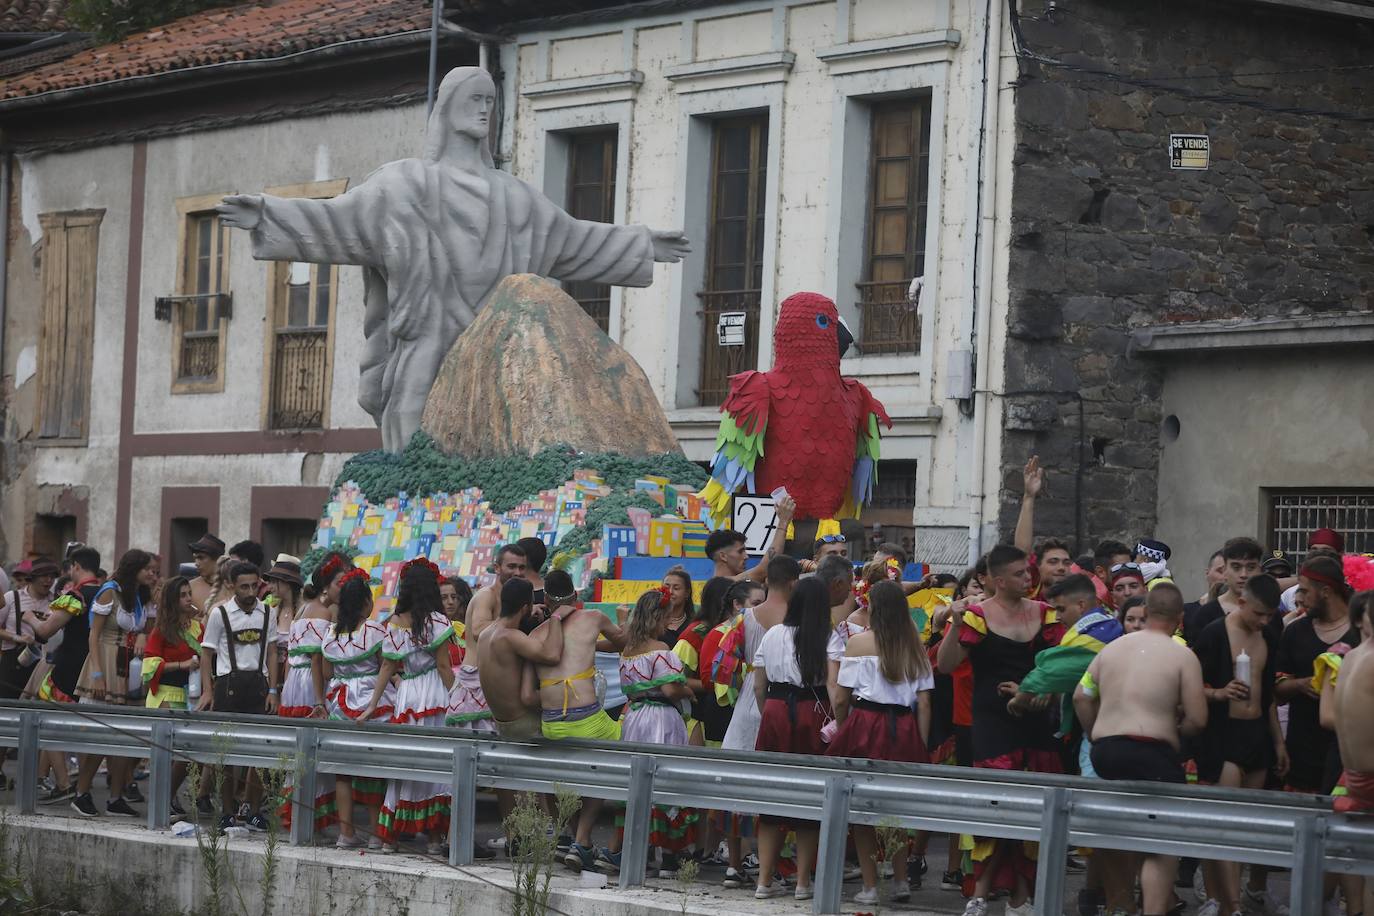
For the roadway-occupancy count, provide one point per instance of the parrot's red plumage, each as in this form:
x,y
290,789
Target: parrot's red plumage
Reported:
x,y
800,425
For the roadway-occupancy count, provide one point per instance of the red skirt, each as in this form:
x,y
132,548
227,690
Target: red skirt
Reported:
x,y
879,735
780,733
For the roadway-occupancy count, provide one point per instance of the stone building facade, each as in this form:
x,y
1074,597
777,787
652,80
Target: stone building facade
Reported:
x,y
1193,345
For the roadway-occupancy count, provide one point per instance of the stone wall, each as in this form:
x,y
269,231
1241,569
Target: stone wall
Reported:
x,y
1106,237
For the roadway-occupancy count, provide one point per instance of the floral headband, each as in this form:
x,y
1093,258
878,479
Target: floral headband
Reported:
x,y
356,572
421,563
333,565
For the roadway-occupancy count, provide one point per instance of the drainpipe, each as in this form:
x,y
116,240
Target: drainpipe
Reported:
x,y
985,224
5,162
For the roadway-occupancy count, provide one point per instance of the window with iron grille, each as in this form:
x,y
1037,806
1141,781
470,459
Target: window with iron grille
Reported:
x,y
300,358
899,170
591,196
734,257
896,487
1295,514
205,271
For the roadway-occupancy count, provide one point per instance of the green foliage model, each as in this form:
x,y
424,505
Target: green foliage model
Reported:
x,y
423,469
112,20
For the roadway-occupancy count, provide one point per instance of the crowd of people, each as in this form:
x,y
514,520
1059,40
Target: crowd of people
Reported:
x,y
1035,661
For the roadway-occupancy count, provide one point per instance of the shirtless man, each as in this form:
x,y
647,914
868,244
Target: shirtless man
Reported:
x,y
726,549
205,554
1140,694
505,648
468,706
536,552
1243,741
568,694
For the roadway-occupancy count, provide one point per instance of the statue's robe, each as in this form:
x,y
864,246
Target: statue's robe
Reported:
x,y
434,241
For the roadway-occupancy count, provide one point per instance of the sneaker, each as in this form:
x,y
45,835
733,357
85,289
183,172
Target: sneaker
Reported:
x,y
120,808
256,823
976,906
608,861
244,812
83,805
916,866
1262,903
721,856
867,896
733,878
1209,908
349,842
133,794
563,843
668,867
481,852
497,844
952,880
1025,909
176,810
769,892
750,865
899,891
57,794
853,873
205,807
580,858
1074,865
436,849
225,822
804,893
1200,888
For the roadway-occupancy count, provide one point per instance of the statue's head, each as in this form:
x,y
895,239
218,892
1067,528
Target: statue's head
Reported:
x,y
463,107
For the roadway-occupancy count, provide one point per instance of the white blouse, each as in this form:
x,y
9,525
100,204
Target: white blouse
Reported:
x,y
864,675
777,652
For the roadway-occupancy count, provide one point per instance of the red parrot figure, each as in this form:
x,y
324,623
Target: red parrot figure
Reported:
x,y
800,425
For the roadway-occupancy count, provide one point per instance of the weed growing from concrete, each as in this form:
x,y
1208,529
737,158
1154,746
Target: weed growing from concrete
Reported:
x,y
892,842
532,835
688,871
275,794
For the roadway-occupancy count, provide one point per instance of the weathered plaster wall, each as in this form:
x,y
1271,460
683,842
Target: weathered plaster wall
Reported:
x,y
1105,237
752,56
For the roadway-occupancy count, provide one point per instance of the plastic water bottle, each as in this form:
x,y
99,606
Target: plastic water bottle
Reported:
x,y
1243,668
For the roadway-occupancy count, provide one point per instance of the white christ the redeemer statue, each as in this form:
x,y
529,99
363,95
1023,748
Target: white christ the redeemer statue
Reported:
x,y
434,237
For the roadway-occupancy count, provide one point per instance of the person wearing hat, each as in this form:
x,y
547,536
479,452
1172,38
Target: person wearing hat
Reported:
x,y
1127,582
282,584
305,630
1153,559
1277,565
205,554
1326,537
15,632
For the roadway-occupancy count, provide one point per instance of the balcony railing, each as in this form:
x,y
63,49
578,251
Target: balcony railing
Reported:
x,y
595,299
889,323
718,362
199,355
299,381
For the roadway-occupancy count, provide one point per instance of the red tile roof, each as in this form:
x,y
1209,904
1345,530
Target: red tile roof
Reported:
x,y
252,31
33,15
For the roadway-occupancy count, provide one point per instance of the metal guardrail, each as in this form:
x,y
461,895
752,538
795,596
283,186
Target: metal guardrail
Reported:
x,y
1266,828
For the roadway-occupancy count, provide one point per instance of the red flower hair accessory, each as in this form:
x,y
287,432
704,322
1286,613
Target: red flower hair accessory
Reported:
x,y
356,572
665,596
421,563
861,589
334,565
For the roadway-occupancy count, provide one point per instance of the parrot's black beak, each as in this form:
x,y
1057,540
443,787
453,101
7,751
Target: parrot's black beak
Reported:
x,y
846,339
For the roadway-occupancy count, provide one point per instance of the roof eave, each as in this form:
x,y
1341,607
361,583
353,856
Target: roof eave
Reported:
x,y
174,80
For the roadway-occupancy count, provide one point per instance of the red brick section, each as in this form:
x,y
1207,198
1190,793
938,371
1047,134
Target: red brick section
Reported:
x,y
33,16
252,31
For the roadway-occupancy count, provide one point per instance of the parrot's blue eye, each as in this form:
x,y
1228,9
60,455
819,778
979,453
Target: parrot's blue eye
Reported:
x,y
822,321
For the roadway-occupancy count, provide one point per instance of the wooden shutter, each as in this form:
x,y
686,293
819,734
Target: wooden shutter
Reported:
x,y
71,245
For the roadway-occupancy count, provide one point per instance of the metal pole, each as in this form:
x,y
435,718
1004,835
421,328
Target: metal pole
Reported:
x,y
829,876
26,793
303,791
1054,848
1308,851
638,809
160,779
434,20
462,825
